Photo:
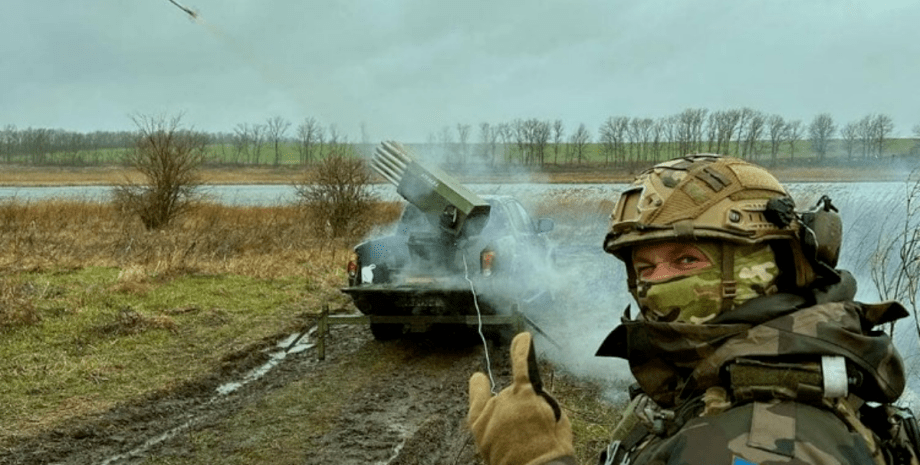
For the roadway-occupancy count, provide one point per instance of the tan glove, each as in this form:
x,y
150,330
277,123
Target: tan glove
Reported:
x,y
522,424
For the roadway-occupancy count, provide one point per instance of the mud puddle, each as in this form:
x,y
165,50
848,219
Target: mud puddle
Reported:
x,y
412,413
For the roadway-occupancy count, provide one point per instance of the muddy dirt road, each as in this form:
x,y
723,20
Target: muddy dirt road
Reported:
x,y
409,411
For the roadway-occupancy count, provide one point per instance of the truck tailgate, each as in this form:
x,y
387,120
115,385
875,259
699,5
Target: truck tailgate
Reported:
x,y
382,299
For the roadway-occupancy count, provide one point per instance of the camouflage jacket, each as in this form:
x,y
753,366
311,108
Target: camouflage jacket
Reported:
x,y
676,363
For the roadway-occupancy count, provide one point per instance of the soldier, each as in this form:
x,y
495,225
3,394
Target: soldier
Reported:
x,y
748,347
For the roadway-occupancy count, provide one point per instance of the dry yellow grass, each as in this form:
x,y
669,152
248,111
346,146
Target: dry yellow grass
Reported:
x,y
261,242
20,175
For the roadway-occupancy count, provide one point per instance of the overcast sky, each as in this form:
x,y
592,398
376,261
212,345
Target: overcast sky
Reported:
x,y
408,68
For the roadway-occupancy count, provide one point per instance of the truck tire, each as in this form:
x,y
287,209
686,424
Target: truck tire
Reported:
x,y
386,331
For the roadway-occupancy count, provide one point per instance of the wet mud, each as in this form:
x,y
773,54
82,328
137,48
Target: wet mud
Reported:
x,y
413,414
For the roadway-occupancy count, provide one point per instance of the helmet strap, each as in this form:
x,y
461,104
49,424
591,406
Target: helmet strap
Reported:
x,y
632,280
729,285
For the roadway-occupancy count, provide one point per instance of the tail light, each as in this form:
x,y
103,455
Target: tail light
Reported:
x,y
352,267
486,261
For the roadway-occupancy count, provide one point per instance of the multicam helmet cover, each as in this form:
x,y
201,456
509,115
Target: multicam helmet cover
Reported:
x,y
705,197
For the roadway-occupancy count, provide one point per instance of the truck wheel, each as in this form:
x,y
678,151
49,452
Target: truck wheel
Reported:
x,y
386,331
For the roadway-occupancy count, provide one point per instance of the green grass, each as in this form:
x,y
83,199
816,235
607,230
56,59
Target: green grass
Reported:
x,y
101,340
289,155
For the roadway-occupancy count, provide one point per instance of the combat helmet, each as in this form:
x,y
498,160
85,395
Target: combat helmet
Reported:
x,y
729,201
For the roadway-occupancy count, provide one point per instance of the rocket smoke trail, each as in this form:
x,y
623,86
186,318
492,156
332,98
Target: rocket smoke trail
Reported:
x,y
190,12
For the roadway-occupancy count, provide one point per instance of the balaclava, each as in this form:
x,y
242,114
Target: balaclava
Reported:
x,y
697,297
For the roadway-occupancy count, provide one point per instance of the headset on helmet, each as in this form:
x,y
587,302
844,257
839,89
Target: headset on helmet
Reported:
x,y
730,201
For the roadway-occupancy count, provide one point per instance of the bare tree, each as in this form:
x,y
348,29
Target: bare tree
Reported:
x,y
242,138
776,127
657,132
275,129
489,138
755,128
539,133
669,134
310,136
744,116
712,132
633,137
882,125
690,130
36,142
579,142
614,133
895,268
728,122
864,134
794,132
337,194
643,130
608,139
558,138
519,135
8,142
505,132
257,131
699,119
168,157
336,140
463,136
850,137
821,130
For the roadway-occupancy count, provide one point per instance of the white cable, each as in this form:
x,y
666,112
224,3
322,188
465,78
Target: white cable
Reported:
x,y
485,346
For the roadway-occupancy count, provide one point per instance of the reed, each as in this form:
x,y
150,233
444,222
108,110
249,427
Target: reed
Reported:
x,y
260,242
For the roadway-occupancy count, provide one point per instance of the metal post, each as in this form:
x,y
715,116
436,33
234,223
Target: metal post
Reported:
x,y
321,328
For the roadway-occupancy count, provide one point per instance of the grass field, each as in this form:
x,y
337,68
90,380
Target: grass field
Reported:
x,y
507,154
95,310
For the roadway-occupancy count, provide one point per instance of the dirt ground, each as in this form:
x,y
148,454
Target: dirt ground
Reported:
x,y
397,402
410,414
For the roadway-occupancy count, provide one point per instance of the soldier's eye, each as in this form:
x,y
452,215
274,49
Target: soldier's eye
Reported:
x,y
644,269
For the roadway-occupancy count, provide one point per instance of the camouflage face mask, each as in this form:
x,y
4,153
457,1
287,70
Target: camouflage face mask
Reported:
x,y
697,297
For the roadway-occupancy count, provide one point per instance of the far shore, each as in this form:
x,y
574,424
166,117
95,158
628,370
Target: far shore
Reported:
x,y
31,176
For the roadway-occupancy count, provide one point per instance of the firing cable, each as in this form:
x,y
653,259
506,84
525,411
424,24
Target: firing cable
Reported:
x,y
485,346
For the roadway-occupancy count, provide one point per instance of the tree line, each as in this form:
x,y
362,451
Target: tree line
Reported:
x,y
743,132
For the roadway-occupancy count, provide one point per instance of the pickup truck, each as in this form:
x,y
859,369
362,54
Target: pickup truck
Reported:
x,y
419,274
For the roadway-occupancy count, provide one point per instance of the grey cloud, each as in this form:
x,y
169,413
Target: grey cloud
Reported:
x,y
409,67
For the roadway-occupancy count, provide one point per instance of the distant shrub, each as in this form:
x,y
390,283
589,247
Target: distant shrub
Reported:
x,y
169,159
337,196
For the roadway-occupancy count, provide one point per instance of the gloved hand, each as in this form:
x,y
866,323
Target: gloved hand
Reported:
x,y
522,424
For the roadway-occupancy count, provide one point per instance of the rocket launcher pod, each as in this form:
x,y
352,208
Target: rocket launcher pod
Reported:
x,y
446,202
